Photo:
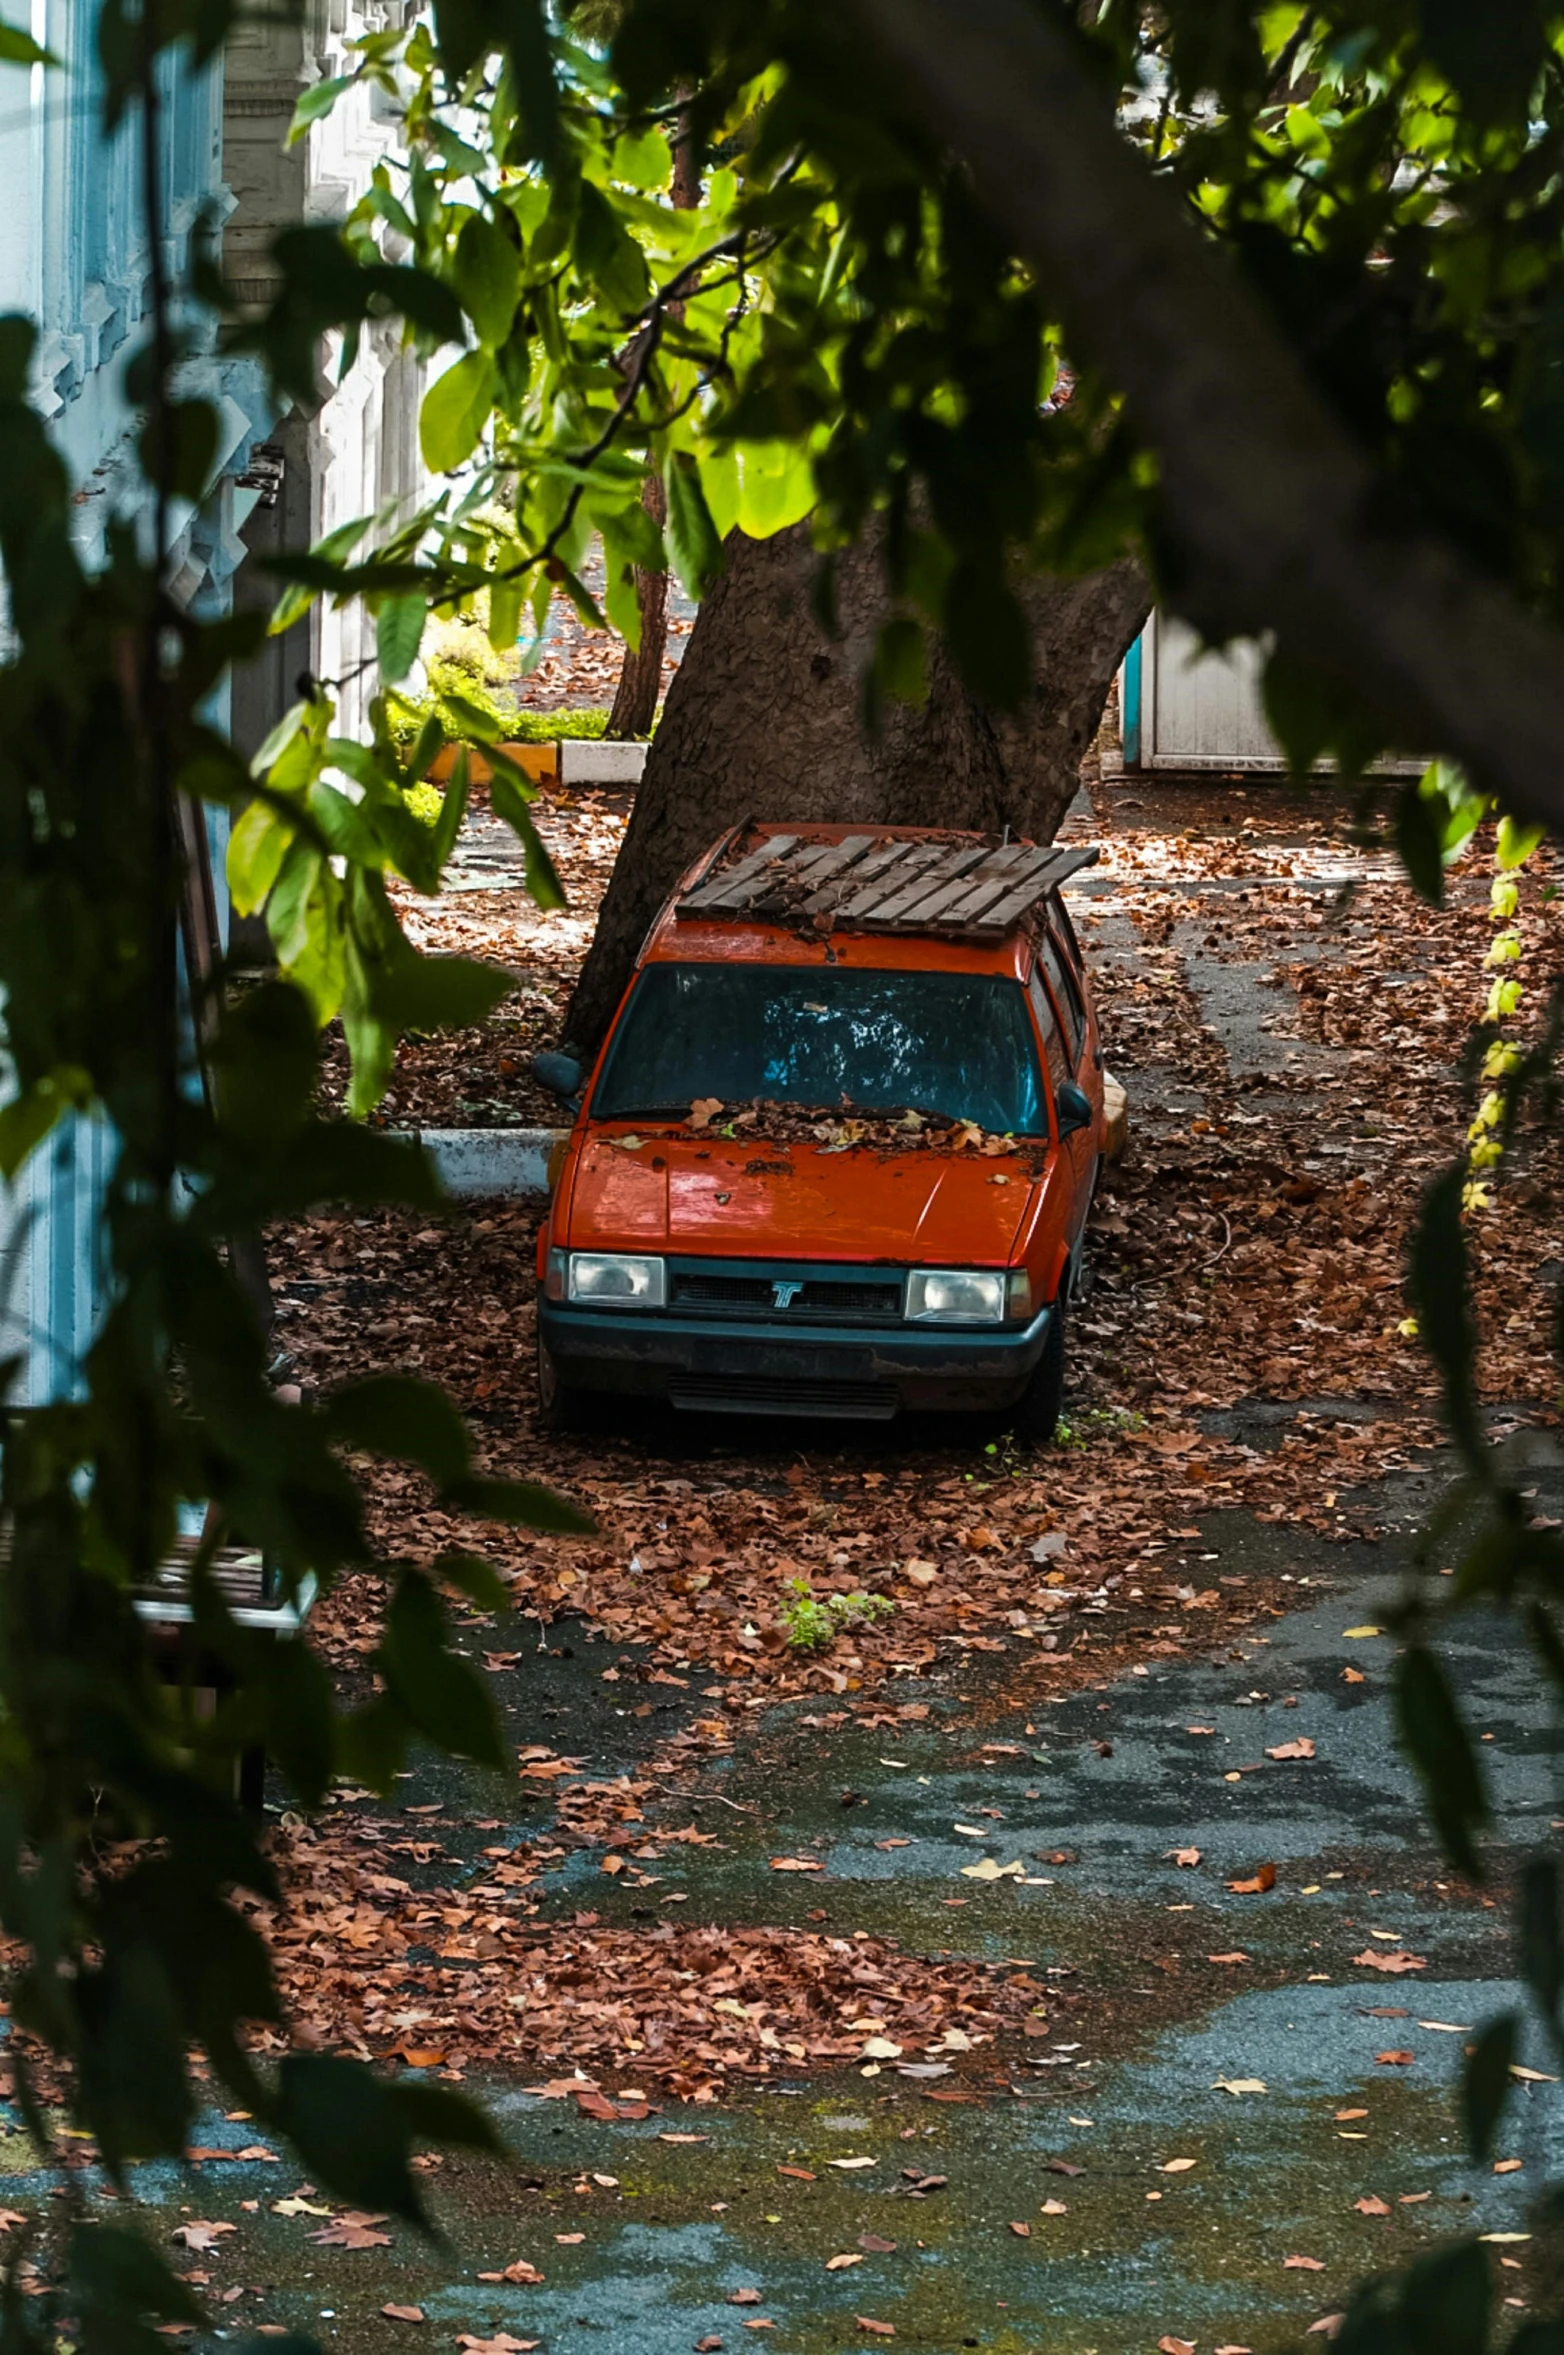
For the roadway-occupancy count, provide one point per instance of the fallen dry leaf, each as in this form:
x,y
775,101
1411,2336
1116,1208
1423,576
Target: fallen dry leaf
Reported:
x,y
1054,2208
1370,2206
1177,2166
880,2330
1227,1958
841,2263
847,2164
403,2313
501,2344
1303,2264
1343,2115
796,1864
744,2297
799,2174
1263,1878
1239,2085
1395,2060
708,2346
1185,1856
1395,1962
1327,2326
875,2245
1507,2166
349,2233
1301,1748
519,2270
1172,2346
1022,2232
201,2235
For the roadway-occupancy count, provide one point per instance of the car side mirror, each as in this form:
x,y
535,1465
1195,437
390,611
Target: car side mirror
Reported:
x,y
1074,1108
560,1074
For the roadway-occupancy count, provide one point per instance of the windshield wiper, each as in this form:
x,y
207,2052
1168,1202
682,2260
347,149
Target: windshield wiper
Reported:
x,y
646,1112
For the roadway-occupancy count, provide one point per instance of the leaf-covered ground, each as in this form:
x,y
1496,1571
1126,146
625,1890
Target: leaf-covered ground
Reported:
x,y
1036,1962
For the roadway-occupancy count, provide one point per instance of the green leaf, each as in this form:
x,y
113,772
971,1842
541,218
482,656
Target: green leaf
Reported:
x,y
191,448
117,2281
608,255
524,28
264,1062
416,992
1537,1933
478,1580
1434,1735
30,1116
19,48
486,272
1485,2084
987,635
1517,842
1492,53
1445,2303
519,1504
692,535
776,489
400,1416
456,411
442,1695
643,159
399,632
1439,1287
508,795
315,104
355,2133
257,846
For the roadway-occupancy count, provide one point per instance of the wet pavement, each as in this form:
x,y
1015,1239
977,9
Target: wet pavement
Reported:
x,y
1183,2022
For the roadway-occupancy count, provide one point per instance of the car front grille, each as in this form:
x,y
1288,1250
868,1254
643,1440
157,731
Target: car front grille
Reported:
x,y
817,1299
767,1394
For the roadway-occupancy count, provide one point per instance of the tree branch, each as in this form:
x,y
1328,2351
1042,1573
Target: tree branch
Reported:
x,y
1278,518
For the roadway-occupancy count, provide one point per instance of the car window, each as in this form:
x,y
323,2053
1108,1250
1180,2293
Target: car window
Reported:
x,y
832,1038
1059,923
1067,994
1048,1023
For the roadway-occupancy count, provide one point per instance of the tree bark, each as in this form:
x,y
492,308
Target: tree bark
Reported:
x,y
764,720
1274,517
641,674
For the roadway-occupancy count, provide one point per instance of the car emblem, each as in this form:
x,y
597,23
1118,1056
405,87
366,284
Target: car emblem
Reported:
x,y
784,1295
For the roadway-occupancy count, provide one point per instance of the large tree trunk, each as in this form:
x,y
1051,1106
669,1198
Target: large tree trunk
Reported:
x,y
764,720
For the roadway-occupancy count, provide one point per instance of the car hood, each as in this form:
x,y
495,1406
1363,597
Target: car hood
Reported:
x,y
714,1198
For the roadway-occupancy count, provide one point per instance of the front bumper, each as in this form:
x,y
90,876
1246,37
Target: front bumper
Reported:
x,y
857,1373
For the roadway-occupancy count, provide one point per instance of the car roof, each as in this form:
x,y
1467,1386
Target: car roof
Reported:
x,y
878,895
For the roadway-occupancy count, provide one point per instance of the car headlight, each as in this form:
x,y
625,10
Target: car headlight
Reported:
x,y
616,1279
955,1296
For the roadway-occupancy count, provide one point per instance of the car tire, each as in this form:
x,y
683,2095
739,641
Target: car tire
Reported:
x,y
559,1406
1035,1415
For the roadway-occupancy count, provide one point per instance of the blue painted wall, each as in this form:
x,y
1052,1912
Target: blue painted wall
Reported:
x,y
73,255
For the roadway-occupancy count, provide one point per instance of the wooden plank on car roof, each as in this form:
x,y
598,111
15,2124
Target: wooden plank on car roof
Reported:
x,y
938,894
812,861
829,894
729,889
1052,869
907,880
995,877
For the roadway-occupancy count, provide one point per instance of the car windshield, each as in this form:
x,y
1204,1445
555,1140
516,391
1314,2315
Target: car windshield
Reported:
x,y
955,1045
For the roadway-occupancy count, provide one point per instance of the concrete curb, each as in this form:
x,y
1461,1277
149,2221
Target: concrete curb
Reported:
x,y
595,761
506,1161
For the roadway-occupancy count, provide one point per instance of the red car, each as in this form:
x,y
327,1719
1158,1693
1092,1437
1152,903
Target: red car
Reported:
x,y
838,1150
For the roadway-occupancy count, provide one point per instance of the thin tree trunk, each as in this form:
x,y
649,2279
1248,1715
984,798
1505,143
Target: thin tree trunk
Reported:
x,y
764,720
641,677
